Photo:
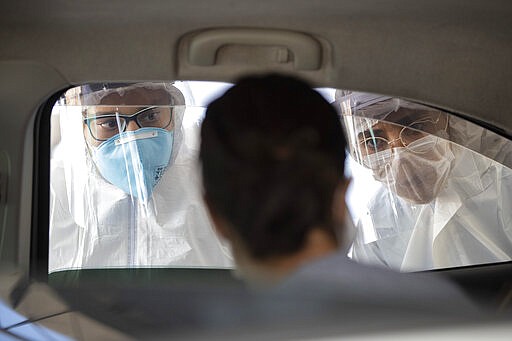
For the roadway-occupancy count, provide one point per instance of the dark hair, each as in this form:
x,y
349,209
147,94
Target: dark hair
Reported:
x,y
272,153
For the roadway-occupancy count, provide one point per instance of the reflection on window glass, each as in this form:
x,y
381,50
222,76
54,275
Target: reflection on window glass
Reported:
x,y
18,327
439,187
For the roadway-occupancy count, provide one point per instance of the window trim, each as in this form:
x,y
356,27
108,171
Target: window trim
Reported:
x,y
40,220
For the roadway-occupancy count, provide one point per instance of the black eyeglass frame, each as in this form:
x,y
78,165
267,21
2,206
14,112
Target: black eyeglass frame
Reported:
x,y
127,119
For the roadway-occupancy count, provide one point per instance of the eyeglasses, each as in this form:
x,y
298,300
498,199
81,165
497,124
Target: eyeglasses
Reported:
x,y
372,143
104,126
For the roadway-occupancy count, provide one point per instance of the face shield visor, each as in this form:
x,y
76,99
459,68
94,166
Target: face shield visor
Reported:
x,y
402,143
129,131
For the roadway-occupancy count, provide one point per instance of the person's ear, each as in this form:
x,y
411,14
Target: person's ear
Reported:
x,y
344,225
339,206
219,223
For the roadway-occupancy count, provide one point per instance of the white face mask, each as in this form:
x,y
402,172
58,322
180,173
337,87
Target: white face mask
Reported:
x,y
413,173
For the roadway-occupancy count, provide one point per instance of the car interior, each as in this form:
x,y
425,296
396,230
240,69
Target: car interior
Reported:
x,y
452,56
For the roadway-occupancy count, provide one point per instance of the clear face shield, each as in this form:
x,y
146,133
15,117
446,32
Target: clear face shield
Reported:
x,y
426,185
130,145
407,150
129,133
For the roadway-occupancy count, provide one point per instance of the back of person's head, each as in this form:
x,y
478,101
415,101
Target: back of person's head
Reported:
x,y
272,153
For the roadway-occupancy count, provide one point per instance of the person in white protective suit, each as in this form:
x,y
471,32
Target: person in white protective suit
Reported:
x,y
125,188
446,185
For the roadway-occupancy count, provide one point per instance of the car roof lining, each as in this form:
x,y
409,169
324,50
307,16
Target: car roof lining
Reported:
x,y
438,52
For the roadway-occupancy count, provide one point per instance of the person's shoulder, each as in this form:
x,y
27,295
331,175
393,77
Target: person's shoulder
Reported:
x,y
337,277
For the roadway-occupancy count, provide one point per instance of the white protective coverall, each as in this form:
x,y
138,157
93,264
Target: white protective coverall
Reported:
x,y
95,224
469,221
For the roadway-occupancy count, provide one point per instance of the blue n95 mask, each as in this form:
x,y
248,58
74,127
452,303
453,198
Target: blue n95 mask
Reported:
x,y
134,161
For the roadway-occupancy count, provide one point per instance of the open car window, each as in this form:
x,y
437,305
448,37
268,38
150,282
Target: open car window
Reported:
x,y
430,190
